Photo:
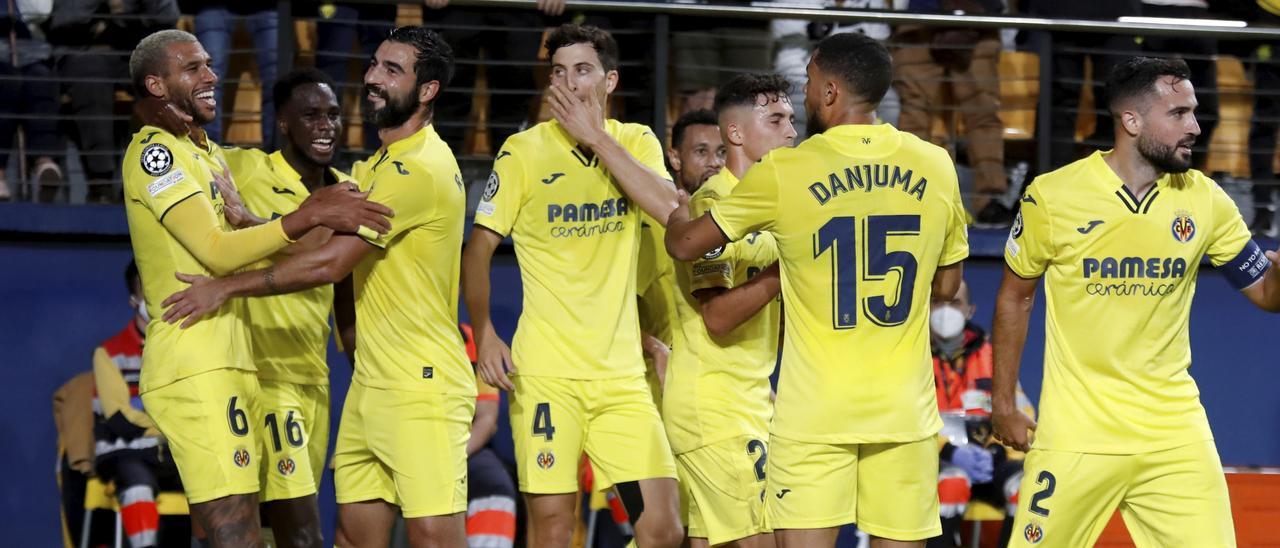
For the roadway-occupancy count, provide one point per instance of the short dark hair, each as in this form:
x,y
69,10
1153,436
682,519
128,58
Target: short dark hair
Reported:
x,y
569,34
862,62
435,57
132,281
702,117
1137,76
151,56
282,91
744,88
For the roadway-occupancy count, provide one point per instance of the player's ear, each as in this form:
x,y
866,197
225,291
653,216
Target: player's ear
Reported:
x,y
154,85
830,93
427,92
1131,121
610,81
733,132
673,158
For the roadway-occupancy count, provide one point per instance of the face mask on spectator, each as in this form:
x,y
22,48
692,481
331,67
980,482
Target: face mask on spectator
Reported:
x,y
946,322
141,309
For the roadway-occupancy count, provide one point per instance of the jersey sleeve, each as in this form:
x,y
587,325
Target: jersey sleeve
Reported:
x,y
714,269
1029,247
161,174
1230,234
1231,246
752,206
406,188
955,247
504,192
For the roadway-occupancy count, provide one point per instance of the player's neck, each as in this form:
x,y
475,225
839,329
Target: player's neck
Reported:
x,y
1137,174
852,117
311,173
391,135
737,161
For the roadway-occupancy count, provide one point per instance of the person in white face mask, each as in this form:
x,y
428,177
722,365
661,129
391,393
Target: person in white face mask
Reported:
x,y
973,465
127,445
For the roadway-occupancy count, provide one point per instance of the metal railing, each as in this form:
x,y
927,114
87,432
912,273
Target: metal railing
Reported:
x,y
655,23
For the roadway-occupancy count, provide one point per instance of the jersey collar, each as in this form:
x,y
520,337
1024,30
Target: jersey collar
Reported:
x,y
875,140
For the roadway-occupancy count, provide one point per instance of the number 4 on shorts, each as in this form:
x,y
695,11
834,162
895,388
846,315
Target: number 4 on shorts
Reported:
x,y
542,421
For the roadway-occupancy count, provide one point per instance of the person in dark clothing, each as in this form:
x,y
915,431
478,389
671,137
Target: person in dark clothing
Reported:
x,y
97,36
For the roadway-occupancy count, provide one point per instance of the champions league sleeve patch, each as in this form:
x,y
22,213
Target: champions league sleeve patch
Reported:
x,y
714,253
1247,268
156,159
487,206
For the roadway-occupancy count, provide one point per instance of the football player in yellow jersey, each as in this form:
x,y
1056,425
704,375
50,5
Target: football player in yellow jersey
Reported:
x,y
869,226
1118,238
717,403
413,393
199,384
570,193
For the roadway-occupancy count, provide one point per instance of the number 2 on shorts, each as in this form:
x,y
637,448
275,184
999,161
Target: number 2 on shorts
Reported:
x,y
1049,482
753,447
542,421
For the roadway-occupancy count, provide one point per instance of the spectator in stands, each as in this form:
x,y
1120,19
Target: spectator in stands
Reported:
x,y
491,494
793,39
29,96
708,51
128,447
96,37
510,40
1068,71
973,465
1265,122
929,59
341,25
1198,52
215,27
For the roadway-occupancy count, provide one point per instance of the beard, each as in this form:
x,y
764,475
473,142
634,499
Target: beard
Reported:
x,y
813,123
395,111
1165,157
187,104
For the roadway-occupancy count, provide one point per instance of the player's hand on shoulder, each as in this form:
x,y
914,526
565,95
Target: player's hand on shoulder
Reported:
x,y
189,305
153,111
494,363
1013,428
343,208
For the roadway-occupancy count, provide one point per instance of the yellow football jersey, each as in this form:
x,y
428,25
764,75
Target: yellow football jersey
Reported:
x,y
290,332
655,282
406,291
863,217
718,388
160,171
1119,277
577,238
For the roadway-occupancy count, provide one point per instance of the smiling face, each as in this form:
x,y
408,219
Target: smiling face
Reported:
x,y
578,68
188,81
311,122
391,90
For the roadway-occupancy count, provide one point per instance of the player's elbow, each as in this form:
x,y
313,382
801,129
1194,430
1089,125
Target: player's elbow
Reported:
x,y
717,325
679,249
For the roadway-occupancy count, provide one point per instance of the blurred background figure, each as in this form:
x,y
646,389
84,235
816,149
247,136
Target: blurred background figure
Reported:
x,y
28,97
94,39
975,468
216,22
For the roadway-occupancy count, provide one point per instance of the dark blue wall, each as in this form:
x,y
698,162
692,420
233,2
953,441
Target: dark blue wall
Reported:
x,y
57,301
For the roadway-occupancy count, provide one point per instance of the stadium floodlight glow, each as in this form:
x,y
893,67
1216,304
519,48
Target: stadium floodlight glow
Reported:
x,y
1222,23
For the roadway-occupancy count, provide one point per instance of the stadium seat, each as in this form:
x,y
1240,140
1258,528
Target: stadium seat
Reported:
x,y
1229,150
1019,93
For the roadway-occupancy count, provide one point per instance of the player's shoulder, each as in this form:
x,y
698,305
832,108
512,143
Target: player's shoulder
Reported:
x,y
1194,181
929,150
523,145
154,152
241,160
630,132
1061,183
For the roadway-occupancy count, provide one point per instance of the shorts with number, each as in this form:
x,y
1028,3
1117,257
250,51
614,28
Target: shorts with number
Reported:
x,y
407,448
614,421
209,422
889,489
722,488
1175,497
295,437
